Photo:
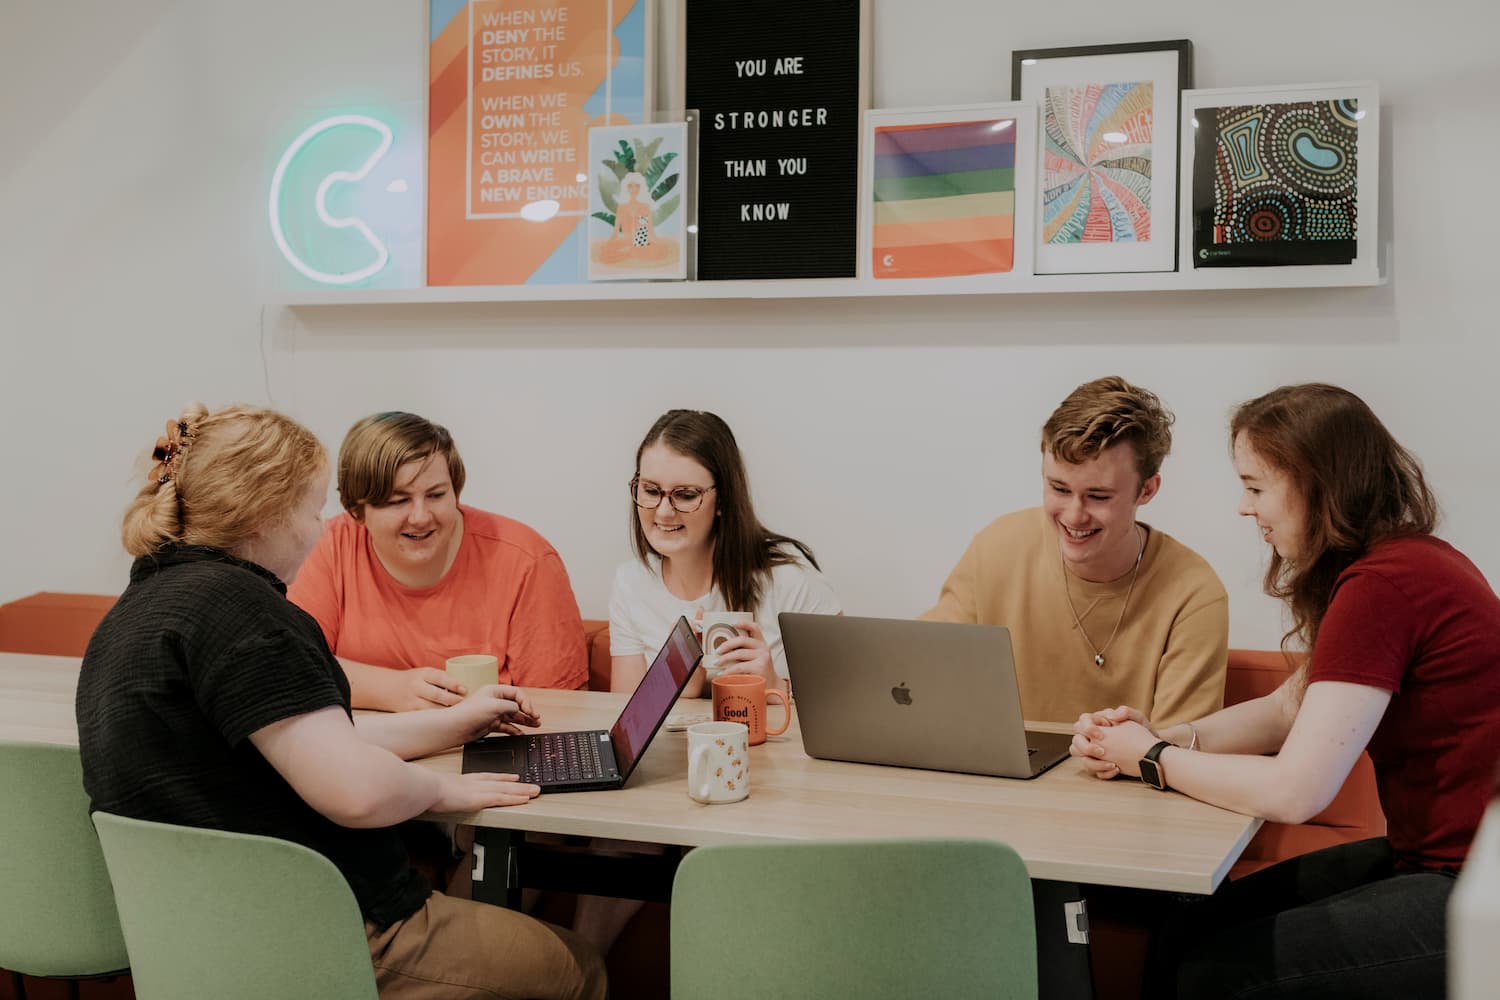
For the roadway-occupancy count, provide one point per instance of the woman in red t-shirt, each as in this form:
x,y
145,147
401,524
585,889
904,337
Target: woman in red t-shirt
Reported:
x,y
1404,663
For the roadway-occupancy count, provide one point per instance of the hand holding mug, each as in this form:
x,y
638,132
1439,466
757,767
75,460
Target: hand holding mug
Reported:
x,y
474,670
419,687
744,653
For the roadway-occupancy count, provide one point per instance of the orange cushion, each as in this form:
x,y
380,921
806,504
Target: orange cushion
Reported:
x,y
1354,814
52,624
596,635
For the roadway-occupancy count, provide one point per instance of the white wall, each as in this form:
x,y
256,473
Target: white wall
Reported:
x,y
884,433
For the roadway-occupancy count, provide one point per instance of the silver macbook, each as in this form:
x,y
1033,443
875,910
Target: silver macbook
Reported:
x,y
913,694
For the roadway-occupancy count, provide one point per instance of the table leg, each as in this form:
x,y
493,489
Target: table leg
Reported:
x,y
497,866
1062,941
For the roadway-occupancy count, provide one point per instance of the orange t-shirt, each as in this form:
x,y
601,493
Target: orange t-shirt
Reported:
x,y
506,594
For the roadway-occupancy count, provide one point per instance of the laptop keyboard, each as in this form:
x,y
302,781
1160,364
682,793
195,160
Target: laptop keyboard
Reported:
x,y
563,757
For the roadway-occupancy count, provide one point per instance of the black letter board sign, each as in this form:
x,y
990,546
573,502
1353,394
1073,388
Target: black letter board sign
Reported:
x,y
779,86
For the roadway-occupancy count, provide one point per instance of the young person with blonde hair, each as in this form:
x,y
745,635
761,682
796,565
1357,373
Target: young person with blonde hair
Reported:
x,y
1102,608
408,577
1402,660
208,699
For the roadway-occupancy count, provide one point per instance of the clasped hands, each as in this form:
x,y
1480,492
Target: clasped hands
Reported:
x,y
1113,741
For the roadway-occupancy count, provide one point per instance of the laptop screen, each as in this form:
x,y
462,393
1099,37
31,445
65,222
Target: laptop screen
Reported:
x,y
648,707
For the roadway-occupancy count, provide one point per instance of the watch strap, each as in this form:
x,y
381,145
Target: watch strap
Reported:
x,y
1153,758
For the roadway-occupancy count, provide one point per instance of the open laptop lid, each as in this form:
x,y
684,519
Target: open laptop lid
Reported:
x,y
654,697
920,694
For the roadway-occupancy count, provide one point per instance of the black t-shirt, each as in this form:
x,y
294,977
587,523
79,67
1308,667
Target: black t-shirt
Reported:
x,y
202,650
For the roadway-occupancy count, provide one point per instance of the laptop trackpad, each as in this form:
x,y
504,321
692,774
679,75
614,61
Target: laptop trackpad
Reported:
x,y
498,756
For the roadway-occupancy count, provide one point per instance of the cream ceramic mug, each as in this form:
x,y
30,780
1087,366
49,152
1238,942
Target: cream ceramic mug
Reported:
x,y
718,762
719,627
475,670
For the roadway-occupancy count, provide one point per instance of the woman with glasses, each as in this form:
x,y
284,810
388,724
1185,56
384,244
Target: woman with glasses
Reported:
x,y
408,577
700,548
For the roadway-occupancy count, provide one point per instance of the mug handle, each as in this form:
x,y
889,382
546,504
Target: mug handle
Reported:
x,y
700,790
786,707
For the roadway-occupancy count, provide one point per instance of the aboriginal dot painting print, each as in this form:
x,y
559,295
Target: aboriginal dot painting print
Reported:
x,y
1096,167
1276,184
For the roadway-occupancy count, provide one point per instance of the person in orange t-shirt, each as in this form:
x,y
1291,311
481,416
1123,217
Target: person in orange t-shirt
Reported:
x,y
408,577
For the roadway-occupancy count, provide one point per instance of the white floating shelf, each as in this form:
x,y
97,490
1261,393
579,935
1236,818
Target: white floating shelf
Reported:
x,y
1208,279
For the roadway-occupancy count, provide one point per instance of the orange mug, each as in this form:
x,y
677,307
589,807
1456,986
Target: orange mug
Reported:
x,y
742,698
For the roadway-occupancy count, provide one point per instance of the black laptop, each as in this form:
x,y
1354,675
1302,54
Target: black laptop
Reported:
x,y
588,760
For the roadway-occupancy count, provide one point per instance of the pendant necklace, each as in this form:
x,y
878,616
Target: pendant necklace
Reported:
x,y
1099,650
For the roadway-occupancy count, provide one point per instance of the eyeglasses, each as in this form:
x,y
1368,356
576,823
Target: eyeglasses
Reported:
x,y
684,499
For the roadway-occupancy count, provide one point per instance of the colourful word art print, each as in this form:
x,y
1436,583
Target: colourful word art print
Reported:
x,y
514,87
1276,184
944,199
1097,163
637,202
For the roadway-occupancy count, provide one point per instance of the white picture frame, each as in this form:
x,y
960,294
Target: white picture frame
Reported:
x,y
1142,210
656,244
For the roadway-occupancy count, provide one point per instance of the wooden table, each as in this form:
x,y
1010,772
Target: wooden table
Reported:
x,y
1071,830
1066,825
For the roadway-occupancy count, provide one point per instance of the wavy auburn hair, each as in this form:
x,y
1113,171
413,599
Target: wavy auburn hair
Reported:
x,y
745,550
1357,484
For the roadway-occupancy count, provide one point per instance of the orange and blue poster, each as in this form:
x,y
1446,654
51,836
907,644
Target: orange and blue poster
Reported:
x,y
514,87
943,193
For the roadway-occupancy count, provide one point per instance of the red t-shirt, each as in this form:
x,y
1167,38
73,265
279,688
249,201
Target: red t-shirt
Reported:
x,y
506,593
1416,618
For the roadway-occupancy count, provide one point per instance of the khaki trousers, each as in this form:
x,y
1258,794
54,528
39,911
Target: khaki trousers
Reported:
x,y
457,949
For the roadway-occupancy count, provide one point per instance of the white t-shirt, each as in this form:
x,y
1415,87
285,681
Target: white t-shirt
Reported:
x,y
642,610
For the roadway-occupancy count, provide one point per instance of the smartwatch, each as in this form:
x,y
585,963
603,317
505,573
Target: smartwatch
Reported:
x,y
1152,772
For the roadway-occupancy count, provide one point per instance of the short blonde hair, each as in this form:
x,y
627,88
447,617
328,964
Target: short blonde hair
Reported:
x,y
1106,412
239,469
377,446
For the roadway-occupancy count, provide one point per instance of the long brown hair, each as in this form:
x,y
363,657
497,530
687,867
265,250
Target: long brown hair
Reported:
x,y
745,550
1357,484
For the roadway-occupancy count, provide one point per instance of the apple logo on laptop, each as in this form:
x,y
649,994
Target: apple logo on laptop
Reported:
x,y
901,693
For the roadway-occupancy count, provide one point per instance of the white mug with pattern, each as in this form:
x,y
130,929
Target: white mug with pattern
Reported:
x,y
718,762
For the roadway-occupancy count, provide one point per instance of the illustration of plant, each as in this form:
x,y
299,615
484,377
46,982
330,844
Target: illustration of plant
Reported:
x,y
628,158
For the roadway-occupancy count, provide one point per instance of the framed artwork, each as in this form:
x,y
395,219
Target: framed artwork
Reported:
x,y
1107,166
638,201
779,87
948,192
1282,176
513,90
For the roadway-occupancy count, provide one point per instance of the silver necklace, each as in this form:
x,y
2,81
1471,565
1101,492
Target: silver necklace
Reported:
x,y
1099,650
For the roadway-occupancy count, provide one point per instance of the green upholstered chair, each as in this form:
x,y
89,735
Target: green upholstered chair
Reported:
x,y
233,916
867,919
57,914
